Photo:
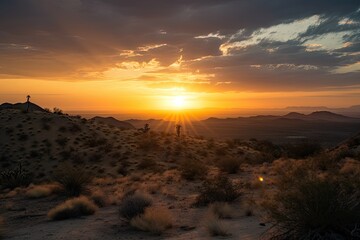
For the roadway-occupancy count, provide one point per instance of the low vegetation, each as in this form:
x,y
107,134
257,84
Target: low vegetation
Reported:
x,y
317,208
216,227
13,178
73,208
41,191
218,189
221,210
134,205
73,180
229,165
192,169
155,220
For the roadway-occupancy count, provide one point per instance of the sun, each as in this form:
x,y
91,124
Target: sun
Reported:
x,y
178,102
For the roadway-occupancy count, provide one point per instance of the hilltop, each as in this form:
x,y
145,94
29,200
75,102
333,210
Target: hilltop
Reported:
x,y
182,176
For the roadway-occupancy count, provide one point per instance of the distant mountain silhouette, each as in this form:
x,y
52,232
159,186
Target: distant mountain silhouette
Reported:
x,y
22,106
295,115
113,122
320,115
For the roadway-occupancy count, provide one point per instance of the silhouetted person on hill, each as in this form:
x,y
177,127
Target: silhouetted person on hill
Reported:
x,y
178,129
28,103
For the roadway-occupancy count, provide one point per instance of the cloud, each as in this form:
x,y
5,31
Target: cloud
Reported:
x,y
291,43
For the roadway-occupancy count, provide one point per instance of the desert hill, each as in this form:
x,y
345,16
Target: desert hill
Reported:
x,y
183,177
111,121
22,106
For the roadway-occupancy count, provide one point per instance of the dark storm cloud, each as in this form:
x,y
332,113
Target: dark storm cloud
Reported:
x,y
64,39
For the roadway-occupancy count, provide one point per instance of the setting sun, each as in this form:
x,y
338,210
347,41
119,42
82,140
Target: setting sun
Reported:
x,y
179,102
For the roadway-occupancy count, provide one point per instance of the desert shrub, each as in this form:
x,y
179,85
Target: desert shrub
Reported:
x,y
57,111
73,180
324,161
303,149
289,172
147,163
15,178
155,220
221,151
221,210
73,208
210,143
216,227
229,165
99,198
218,189
96,141
40,191
148,142
134,205
23,137
317,208
74,128
62,141
192,169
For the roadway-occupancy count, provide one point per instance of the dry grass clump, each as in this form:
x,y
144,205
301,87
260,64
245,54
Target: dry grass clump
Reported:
x,y
219,189
192,169
229,165
350,167
317,208
216,227
222,210
134,205
13,178
99,198
155,220
40,191
73,208
73,180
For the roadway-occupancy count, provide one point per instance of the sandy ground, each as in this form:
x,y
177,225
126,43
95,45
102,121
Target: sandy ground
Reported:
x,y
105,224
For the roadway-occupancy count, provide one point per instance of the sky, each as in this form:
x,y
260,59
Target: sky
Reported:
x,y
142,55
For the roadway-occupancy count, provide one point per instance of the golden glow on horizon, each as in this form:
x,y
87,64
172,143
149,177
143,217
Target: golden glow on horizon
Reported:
x,y
179,102
132,96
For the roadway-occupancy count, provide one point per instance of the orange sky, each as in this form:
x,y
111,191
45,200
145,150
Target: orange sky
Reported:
x,y
115,56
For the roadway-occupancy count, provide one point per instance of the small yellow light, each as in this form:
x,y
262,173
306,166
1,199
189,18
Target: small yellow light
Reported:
x,y
261,179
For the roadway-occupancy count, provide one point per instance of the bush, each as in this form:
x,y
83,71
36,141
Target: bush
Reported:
x,y
147,163
155,220
221,210
40,191
219,189
134,205
317,209
216,227
192,169
58,111
229,165
73,208
15,178
148,142
73,180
